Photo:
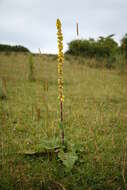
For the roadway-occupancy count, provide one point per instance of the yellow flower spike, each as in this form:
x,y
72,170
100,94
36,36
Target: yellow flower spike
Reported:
x,y
60,57
60,73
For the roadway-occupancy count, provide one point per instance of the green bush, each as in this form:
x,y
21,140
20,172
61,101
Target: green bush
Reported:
x,y
9,48
124,45
103,47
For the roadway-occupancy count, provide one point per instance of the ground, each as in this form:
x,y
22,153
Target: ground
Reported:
x,y
95,125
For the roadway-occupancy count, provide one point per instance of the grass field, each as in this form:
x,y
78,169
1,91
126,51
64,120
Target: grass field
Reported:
x,y
95,124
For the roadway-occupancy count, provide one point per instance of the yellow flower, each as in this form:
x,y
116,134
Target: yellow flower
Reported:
x,y
60,60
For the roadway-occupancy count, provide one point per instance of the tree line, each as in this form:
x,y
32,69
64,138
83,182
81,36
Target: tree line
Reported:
x,y
9,48
103,47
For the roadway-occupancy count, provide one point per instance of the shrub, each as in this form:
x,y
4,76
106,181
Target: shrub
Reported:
x,y
9,48
124,45
103,47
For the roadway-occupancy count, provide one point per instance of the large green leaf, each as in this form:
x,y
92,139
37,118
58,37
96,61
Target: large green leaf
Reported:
x,y
68,159
44,147
48,144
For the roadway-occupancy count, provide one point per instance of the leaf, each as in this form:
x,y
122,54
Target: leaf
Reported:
x,y
68,159
44,147
48,145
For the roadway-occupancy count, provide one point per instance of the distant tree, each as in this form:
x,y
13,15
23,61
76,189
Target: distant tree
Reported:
x,y
103,47
9,48
124,45
109,44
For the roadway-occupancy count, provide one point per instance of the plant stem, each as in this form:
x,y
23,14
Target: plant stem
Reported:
x,y
61,118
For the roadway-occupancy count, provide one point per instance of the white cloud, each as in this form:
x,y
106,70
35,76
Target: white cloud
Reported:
x,y
32,22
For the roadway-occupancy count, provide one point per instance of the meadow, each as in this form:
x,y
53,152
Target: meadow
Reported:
x,y
95,119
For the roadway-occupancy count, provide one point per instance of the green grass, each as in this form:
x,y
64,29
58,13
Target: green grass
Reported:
x,y
95,123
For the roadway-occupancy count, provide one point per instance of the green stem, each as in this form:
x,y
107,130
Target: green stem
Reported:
x,y
61,119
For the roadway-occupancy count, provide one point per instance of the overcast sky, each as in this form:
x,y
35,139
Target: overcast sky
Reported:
x,y
32,23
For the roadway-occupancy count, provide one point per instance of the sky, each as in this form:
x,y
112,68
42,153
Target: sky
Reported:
x,y
32,23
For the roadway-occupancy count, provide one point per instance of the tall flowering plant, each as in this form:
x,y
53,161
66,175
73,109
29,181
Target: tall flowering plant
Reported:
x,y
60,74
